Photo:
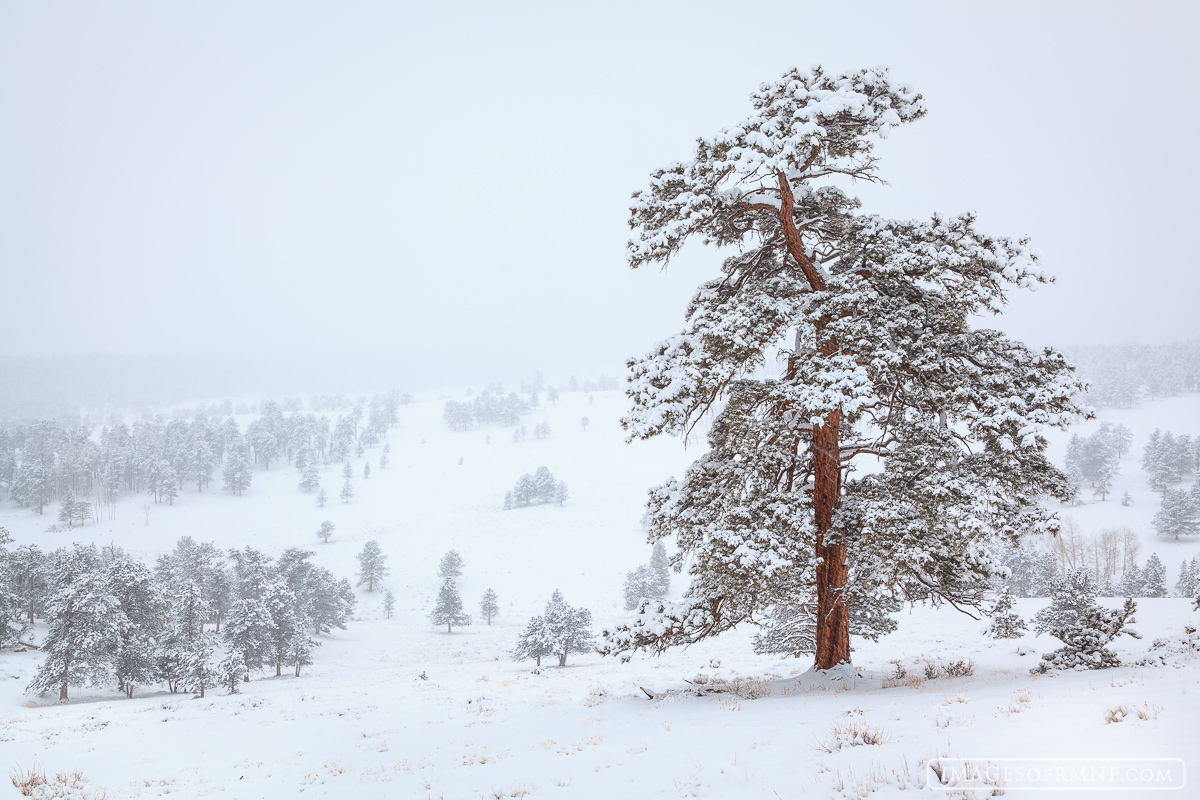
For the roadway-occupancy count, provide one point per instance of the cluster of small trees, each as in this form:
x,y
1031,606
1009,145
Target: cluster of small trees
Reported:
x,y
559,631
113,620
1107,560
1096,459
44,460
448,609
650,581
536,489
487,408
1167,460
1120,375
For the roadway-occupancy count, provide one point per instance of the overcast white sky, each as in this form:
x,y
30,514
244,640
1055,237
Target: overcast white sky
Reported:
x,y
449,183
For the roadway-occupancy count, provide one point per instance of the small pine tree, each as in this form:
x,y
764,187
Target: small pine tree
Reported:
x,y
489,605
372,565
366,470
347,493
230,671
347,471
1005,624
448,610
1132,583
637,587
383,461
322,498
389,604
1126,500
570,628
1154,577
451,565
1187,584
535,642
1084,639
310,476
660,571
237,470
325,532
583,423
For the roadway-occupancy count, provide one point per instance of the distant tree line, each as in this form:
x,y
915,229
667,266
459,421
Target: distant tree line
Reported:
x,y
42,460
1122,375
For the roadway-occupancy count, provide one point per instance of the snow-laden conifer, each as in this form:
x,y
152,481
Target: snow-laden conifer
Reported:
x,y
347,492
451,565
1085,638
389,604
372,565
1179,515
570,629
12,619
1005,623
248,634
310,471
85,624
1154,577
236,473
1070,596
535,642
882,363
489,605
325,532
448,609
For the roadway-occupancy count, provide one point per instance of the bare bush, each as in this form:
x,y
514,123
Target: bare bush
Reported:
x,y
852,733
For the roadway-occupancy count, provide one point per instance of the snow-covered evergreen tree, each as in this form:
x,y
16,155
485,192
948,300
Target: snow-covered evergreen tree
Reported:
x,y
535,642
12,619
583,423
570,629
637,587
84,619
540,487
325,532
1154,577
248,634
489,605
1070,596
142,611
451,565
347,492
660,571
372,565
329,602
1178,516
956,416
289,643
448,609
322,498
1189,578
1005,624
366,470
310,474
389,604
237,470
1085,638
1132,583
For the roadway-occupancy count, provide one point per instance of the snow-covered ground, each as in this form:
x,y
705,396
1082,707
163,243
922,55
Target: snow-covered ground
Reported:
x,y
362,722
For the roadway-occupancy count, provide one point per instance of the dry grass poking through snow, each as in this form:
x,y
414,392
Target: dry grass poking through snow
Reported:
x,y
852,733
72,785
958,668
1146,711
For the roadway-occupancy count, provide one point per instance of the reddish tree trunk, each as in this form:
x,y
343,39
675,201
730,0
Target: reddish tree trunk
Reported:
x,y
833,614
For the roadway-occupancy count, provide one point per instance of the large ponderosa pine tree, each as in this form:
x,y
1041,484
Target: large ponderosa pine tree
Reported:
x,y
872,316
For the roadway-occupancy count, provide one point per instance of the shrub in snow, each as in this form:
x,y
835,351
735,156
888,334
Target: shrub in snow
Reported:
x,y
1085,638
372,565
561,630
536,489
1005,624
448,610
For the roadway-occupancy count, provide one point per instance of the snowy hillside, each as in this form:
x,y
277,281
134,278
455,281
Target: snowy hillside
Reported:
x,y
397,708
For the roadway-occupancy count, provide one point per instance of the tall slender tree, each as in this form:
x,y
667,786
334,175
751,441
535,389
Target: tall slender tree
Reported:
x,y
873,317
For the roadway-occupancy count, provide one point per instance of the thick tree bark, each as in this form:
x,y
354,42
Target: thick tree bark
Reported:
x,y
833,614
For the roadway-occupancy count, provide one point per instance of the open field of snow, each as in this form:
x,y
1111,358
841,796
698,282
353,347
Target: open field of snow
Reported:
x,y
362,722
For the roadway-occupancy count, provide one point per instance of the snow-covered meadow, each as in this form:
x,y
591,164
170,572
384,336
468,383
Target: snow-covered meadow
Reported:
x,y
396,708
